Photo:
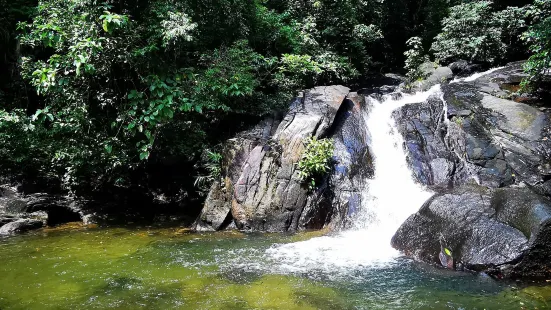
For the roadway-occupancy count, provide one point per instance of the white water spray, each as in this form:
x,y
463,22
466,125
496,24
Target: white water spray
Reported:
x,y
475,76
389,199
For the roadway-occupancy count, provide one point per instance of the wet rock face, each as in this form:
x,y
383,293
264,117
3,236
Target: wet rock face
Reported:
x,y
261,188
501,231
467,135
353,164
486,156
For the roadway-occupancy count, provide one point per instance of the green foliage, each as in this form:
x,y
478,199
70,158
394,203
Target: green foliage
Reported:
x,y
538,36
316,160
97,91
473,31
211,162
415,57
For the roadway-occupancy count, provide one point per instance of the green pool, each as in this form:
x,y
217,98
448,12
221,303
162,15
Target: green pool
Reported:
x,y
147,268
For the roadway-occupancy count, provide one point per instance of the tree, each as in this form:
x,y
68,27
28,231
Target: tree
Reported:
x,y
474,31
538,36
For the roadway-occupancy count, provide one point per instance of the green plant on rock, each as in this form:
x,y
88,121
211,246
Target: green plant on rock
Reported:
x,y
211,162
316,160
459,121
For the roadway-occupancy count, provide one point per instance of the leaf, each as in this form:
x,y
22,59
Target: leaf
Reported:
x,y
448,252
144,155
105,25
36,115
108,148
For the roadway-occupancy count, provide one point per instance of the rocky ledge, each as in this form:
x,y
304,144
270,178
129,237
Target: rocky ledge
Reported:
x,y
20,213
485,151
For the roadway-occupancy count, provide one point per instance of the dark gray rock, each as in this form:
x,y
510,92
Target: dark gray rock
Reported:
x,y
493,230
463,68
60,210
20,226
424,128
477,132
21,212
482,139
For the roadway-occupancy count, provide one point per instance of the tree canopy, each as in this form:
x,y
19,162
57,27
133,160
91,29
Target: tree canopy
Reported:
x,y
101,93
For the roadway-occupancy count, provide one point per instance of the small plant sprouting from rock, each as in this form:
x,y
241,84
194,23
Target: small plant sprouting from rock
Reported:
x,y
211,163
459,121
316,160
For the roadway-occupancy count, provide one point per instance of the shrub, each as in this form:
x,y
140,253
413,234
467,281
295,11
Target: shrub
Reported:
x,y
475,32
414,59
538,37
316,160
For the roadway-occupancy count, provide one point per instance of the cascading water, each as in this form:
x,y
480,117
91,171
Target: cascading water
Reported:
x,y
391,196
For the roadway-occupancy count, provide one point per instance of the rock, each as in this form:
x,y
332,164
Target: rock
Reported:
x,y
463,68
424,129
5,219
216,213
50,210
60,210
433,75
353,162
482,139
502,231
269,194
515,118
20,226
261,185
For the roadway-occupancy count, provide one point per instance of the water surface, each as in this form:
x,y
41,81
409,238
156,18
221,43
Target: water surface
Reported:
x,y
146,268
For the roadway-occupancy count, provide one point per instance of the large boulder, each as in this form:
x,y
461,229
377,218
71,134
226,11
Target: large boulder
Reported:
x,y
353,161
502,231
261,188
465,134
463,68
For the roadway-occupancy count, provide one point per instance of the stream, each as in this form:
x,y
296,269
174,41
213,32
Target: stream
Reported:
x,y
146,268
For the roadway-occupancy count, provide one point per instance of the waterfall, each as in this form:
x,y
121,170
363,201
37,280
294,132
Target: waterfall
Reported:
x,y
390,198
